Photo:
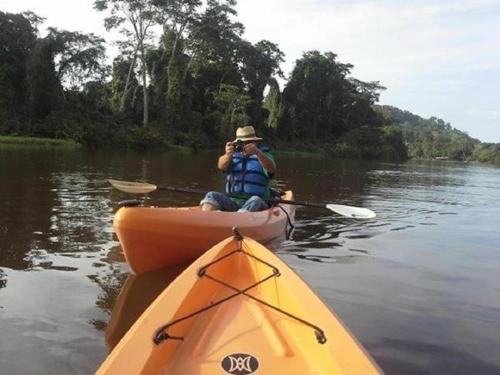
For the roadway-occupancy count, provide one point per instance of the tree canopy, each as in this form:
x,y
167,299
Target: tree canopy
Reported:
x,y
186,75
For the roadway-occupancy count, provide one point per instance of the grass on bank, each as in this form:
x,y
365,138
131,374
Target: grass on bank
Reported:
x,y
34,141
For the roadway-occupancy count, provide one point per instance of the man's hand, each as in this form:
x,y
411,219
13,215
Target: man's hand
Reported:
x,y
267,163
250,149
225,160
229,149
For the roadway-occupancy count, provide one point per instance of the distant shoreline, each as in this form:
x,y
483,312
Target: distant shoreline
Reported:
x,y
39,142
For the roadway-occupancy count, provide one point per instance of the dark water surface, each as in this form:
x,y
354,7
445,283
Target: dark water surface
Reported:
x,y
419,286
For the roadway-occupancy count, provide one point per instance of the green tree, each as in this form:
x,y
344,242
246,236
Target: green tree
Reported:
x,y
80,57
213,44
231,102
62,57
134,19
18,34
172,69
178,91
44,87
260,62
177,18
320,102
272,103
119,75
429,138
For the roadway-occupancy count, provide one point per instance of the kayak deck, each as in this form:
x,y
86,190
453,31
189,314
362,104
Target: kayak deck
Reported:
x,y
238,310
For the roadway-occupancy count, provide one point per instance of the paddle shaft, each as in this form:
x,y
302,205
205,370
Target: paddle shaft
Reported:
x,y
307,204
191,191
196,191
181,190
144,188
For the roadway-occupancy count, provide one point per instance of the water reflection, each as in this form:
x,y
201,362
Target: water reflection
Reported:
x,y
109,274
25,207
428,358
136,294
3,280
320,179
47,211
422,276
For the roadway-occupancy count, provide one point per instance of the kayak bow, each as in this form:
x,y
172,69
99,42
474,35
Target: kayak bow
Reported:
x,y
238,309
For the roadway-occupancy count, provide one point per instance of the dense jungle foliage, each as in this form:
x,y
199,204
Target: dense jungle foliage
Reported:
x,y
186,76
429,138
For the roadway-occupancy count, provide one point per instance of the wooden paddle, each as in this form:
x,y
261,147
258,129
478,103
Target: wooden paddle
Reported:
x,y
144,188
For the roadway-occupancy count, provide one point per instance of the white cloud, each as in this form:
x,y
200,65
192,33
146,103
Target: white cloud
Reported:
x,y
487,114
73,15
423,51
379,37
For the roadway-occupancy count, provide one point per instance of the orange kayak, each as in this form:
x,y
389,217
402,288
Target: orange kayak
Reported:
x,y
238,309
153,237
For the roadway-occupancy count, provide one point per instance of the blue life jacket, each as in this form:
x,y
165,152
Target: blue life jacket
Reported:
x,y
247,177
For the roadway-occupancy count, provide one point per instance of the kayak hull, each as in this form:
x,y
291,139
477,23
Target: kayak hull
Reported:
x,y
238,309
153,238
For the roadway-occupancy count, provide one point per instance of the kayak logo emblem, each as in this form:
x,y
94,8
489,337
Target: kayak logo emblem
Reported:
x,y
240,364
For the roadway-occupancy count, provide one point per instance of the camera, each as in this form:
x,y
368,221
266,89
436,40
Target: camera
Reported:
x,y
238,145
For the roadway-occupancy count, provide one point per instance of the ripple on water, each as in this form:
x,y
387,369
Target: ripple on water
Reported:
x,y
418,285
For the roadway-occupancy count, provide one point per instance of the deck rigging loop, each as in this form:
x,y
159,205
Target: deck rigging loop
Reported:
x,y
275,202
162,332
289,227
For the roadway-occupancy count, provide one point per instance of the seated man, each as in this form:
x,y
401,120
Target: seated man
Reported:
x,y
248,167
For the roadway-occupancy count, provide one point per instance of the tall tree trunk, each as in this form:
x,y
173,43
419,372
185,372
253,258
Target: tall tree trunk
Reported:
x,y
123,99
188,67
145,120
134,96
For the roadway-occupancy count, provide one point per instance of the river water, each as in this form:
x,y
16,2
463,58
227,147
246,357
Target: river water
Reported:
x,y
419,286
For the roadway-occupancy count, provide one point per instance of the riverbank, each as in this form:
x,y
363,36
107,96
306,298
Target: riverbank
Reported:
x,y
483,153
10,140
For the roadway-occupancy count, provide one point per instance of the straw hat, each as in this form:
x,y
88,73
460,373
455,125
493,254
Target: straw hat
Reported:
x,y
246,133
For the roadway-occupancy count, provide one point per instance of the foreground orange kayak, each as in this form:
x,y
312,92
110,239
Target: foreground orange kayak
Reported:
x,y
238,309
153,237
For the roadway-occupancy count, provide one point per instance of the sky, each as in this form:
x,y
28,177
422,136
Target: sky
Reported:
x,y
436,58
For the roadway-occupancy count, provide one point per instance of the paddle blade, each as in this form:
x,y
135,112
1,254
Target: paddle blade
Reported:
x,y
132,187
352,212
